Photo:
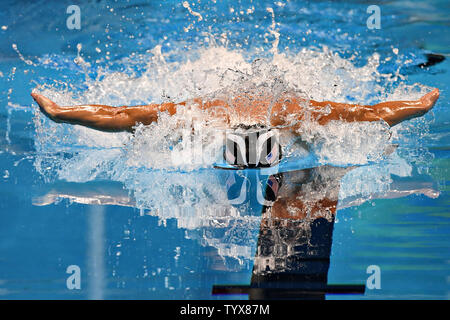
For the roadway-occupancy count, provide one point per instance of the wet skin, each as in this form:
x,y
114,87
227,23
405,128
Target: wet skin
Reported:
x,y
284,111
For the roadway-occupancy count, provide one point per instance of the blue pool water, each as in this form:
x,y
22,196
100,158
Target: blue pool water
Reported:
x,y
138,228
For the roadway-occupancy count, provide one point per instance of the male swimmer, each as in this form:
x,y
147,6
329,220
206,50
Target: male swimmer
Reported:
x,y
286,111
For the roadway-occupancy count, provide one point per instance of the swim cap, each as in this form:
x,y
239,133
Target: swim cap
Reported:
x,y
253,146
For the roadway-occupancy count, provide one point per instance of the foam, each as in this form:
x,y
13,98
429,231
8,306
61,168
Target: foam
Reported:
x,y
160,165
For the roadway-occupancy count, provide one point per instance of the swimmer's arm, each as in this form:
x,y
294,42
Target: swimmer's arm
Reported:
x,y
104,118
393,112
124,118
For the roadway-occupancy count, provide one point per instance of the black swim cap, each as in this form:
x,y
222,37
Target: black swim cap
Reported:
x,y
254,146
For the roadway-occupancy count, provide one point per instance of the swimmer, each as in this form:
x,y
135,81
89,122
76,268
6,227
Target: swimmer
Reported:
x,y
286,111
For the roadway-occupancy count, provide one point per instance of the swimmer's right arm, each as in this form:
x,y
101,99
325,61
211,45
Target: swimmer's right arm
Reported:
x,y
124,118
101,117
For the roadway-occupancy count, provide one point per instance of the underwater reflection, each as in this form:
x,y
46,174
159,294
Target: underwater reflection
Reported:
x,y
281,223
295,238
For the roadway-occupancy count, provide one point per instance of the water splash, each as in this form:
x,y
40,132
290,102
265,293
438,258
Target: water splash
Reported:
x,y
220,73
184,189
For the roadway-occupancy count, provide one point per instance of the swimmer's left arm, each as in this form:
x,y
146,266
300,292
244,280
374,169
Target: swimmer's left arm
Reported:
x,y
393,112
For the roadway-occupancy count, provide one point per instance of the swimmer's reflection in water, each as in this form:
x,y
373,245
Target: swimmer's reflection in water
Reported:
x,y
295,234
294,244
295,237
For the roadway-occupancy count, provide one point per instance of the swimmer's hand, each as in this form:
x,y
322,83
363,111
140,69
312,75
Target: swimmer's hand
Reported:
x,y
394,112
47,106
429,100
